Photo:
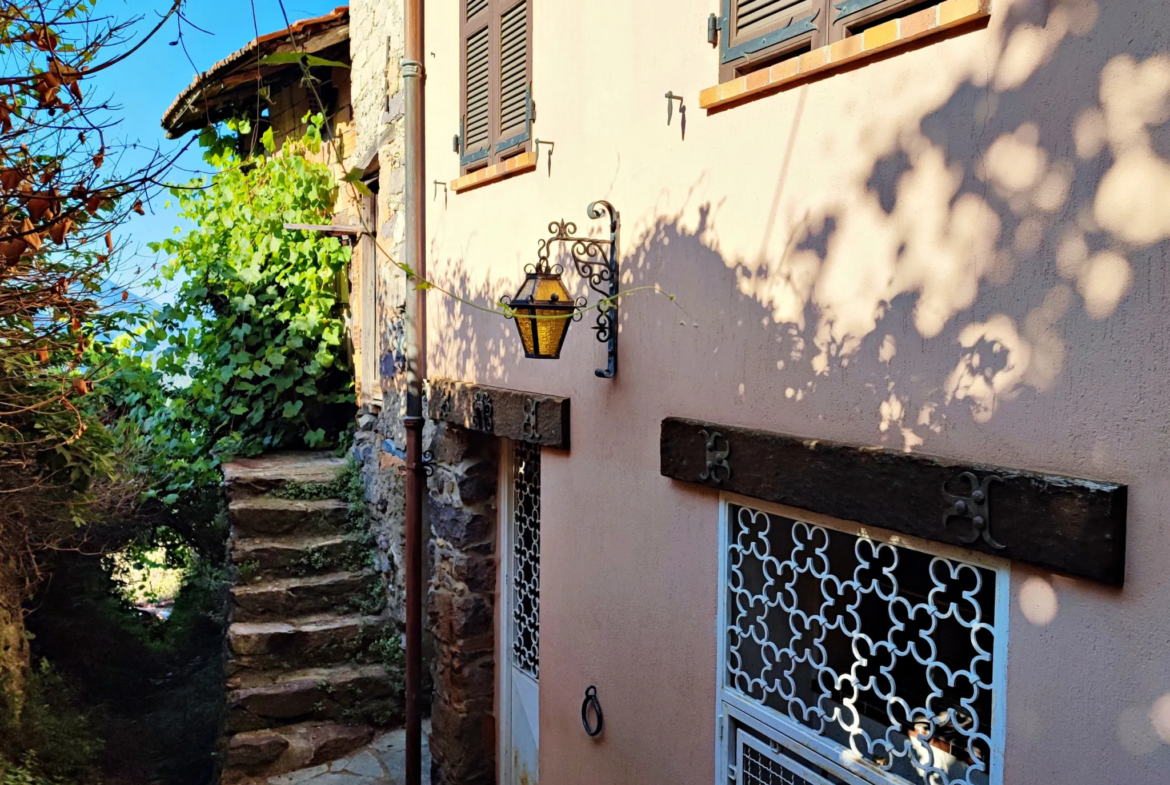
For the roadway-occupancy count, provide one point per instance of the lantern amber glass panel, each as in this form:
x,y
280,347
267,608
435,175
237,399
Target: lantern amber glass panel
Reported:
x,y
543,310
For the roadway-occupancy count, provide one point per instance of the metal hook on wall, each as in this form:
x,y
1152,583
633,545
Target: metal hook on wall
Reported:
x,y
591,703
551,147
439,183
682,111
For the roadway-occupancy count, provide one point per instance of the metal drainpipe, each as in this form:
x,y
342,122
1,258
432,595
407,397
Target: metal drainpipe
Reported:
x,y
414,81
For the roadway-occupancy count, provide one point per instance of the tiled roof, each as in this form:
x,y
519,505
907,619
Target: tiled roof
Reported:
x,y
207,97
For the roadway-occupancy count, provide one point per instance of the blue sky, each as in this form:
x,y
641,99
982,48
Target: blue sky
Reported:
x,y
145,84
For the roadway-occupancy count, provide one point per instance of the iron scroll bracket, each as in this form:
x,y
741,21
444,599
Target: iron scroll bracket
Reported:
x,y
592,704
716,460
597,262
976,507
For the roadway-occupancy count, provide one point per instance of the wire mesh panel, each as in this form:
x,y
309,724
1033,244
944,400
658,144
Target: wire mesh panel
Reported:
x,y
759,769
871,646
759,761
526,558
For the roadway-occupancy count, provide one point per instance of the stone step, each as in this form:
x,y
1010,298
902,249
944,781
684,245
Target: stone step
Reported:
x,y
352,694
269,752
246,477
311,642
260,516
259,558
290,598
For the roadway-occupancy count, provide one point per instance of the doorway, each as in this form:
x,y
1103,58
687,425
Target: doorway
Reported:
x,y
520,614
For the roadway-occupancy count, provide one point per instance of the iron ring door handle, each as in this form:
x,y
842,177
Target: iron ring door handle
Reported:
x,y
591,702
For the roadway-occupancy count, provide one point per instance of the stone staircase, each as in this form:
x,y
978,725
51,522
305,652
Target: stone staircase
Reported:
x,y
307,647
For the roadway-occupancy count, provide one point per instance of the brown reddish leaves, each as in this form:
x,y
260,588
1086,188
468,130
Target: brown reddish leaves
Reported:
x,y
60,230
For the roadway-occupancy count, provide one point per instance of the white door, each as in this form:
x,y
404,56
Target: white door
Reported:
x,y
520,615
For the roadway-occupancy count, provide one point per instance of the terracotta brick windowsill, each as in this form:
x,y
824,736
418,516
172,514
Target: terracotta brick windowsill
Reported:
x,y
525,162
893,33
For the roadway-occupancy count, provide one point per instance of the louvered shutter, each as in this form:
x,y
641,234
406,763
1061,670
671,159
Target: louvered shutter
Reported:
x,y
757,31
851,16
514,122
476,63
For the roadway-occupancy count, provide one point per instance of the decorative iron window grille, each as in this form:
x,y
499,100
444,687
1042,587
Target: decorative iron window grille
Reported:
x,y
526,558
865,657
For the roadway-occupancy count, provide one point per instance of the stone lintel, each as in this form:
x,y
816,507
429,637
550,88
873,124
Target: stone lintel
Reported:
x,y
513,414
1069,525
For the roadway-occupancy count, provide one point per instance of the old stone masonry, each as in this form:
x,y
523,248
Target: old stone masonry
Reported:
x,y
314,663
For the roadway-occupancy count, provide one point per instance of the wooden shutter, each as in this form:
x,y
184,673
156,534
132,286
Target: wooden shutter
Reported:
x,y
476,83
497,115
514,76
849,17
756,32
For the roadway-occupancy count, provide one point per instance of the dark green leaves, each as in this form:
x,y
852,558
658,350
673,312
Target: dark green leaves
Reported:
x,y
250,357
285,58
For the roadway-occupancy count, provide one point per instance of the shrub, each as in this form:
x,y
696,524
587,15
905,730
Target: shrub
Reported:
x,y
250,356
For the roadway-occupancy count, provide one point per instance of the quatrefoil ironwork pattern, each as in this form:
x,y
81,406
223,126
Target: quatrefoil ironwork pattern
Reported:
x,y
529,429
883,651
481,413
526,558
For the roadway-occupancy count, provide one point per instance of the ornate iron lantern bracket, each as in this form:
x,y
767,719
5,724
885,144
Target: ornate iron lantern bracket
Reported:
x,y
597,262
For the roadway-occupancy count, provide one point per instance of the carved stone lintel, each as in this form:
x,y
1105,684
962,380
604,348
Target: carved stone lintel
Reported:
x,y
513,414
1065,524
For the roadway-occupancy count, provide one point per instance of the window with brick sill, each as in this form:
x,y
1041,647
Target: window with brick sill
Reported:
x,y
496,107
755,34
851,656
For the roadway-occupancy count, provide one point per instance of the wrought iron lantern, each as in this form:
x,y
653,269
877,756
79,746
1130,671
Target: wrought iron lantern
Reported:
x,y
543,308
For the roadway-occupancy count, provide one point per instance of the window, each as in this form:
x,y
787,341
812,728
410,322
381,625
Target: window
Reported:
x,y
758,33
852,656
370,305
496,82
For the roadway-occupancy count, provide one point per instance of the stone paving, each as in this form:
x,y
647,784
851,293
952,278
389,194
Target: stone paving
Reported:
x,y
382,762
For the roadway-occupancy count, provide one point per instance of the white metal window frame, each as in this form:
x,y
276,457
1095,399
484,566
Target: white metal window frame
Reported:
x,y
506,506
731,705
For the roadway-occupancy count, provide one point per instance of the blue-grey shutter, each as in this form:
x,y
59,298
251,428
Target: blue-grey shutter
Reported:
x,y
752,26
475,132
515,103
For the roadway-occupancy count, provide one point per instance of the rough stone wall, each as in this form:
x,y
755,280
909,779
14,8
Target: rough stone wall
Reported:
x,y
376,103
461,509
463,515
378,447
375,93
13,640
376,100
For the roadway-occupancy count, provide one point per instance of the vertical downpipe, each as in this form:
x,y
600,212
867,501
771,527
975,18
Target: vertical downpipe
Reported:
x,y
416,368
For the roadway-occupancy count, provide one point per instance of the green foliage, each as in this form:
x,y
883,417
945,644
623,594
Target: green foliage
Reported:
x,y
249,571
389,652
53,739
250,356
159,684
369,603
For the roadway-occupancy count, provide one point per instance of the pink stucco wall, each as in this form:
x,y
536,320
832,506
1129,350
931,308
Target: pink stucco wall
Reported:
x,y
959,250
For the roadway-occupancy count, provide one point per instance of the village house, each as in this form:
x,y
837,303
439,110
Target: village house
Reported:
x,y
851,467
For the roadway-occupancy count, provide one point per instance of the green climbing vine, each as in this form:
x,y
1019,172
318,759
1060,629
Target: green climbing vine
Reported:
x,y
251,354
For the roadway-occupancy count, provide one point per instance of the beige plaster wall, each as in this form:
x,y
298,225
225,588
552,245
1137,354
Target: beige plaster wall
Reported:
x,y
958,250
